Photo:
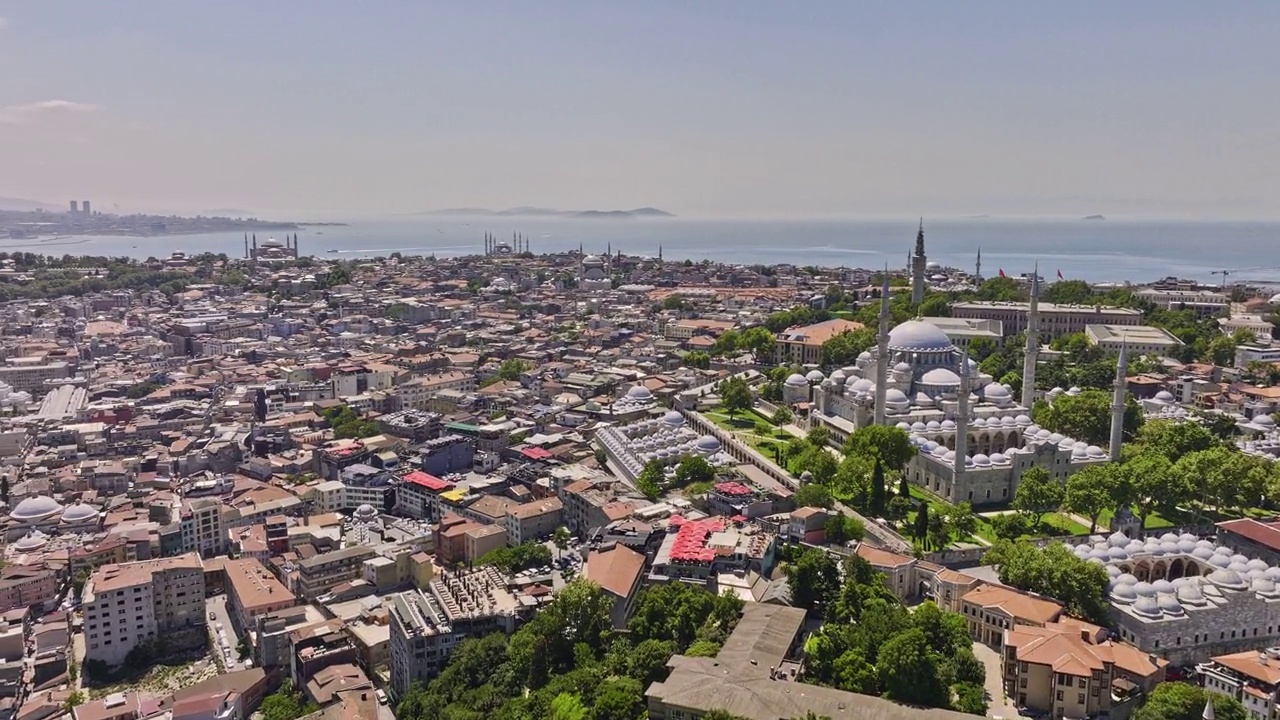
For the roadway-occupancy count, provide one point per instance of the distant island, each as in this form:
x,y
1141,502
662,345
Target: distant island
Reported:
x,y
81,220
644,212
1094,217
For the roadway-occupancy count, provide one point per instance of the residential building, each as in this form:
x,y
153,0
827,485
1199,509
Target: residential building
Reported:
x,y
129,604
533,520
319,574
803,345
993,609
1252,677
203,529
418,494
23,586
618,571
253,592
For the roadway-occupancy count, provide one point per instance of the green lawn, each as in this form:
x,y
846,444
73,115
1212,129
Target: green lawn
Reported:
x,y
1053,524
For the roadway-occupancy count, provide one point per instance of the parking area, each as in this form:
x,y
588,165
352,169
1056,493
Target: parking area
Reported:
x,y
225,640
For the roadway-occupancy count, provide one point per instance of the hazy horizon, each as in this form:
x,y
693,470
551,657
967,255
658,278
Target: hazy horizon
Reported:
x,y
327,110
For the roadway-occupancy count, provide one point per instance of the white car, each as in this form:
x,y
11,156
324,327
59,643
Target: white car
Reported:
x,y
381,695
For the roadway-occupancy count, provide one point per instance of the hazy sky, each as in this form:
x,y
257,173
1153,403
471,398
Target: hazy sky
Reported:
x,y
1142,107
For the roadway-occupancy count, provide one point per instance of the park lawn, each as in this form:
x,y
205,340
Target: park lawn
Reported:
x,y
1051,525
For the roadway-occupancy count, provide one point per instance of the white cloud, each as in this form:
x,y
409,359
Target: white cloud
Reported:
x,y
30,112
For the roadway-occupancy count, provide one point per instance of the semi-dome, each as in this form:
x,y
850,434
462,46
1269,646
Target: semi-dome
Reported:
x,y
940,376
796,380
79,513
708,444
919,336
894,396
673,419
35,509
592,260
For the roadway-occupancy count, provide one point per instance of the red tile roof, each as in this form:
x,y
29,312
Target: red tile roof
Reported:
x,y
426,480
1262,533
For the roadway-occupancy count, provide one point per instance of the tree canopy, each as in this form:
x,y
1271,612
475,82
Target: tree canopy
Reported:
x,y
1053,571
1087,416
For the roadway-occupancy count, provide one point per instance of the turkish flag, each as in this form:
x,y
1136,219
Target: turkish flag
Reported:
x,y
1001,272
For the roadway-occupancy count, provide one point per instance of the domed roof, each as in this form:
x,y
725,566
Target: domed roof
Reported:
x,y
838,377
864,356
1223,550
1118,539
902,367
796,380
894,396
1229,579
981,460
1124,592
1186,546
917,335
1162,586
1169,605
996,390
1264,421
366,511
940,376
639,392
272,242
1128,579
1191,594
1147,606
1118,553
592,260
1023,421
1144,589
673,419
708,444
1256,564
38,507
1164,396
79,513
815,376
1273,573
999,459
33,540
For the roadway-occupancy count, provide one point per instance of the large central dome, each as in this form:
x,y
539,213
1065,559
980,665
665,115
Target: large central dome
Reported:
x,y
918,336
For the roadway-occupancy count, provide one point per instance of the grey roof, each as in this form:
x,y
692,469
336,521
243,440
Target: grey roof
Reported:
x,y
730,681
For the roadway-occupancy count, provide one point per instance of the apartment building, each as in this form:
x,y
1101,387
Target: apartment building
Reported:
x,y
461,541
427,624
533,520
803,345
418,495
1068,669
1055,320
319,574
1138,339
26,586
253,592
416,394
129,604
203,530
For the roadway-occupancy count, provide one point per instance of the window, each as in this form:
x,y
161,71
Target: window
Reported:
x,y
1080,699
1022,683
1059,696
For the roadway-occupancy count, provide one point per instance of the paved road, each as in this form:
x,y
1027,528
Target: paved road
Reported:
x,y
998,705
218,606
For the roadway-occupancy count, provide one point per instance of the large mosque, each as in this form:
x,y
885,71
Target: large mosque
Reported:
x,y
975,439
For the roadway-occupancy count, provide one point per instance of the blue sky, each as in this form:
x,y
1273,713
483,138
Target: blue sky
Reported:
x,y
734,109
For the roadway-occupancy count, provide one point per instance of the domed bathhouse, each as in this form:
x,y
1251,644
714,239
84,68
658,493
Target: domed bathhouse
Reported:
x,y
975,438
1186,599
666,439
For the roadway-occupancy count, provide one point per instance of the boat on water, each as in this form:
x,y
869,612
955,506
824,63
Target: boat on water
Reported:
x,y
333,250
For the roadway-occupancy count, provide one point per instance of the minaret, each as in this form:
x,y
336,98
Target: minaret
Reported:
x,y
255,246
962,416
917,267
882,351
246,246
977,268
295,245
1032,351
659,253
1117,402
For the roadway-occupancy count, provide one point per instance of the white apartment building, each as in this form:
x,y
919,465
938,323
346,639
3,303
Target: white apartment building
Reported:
x,y
203,530
1055,320
128,604
1139,339
416,393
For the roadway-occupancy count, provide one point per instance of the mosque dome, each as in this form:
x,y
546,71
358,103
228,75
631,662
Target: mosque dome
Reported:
x,y
1223,550
366,512
918,426
981,460
894,396
1144,589
272,243
639,392
1219,561
32,541
35,509
708,445
673,419
79,513
864,356
1123,592
1094,451
1128,579
860,385
999,459
1191,594
592,260
815,376
1023,421
934,425
902,368
1264,421
1169,605
1147,606
1164,397
796,380
1118,539
1228,579
996,391
915,335
1273,573
1162,586
1256,564
838,377
1186,546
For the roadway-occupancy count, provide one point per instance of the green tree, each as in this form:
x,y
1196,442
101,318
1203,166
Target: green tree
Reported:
x,y
1087,416
890,445
813,494
567,706
735,395
1091,490
694,469
852,672
843,528
971,698
618,698
561,538
818,436
961,520
697,360
1174,439
4,489
1009,526
1180,701
1148,482
759,342
816,461
285,704
782,416
904,486
878,493
845,347
1053,571
920,529
1037,495
814,578
651,480
909,672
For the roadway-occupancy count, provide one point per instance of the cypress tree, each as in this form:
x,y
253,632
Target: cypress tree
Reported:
x,y
878,498
921,527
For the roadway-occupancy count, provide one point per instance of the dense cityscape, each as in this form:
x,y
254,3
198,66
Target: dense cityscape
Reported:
x,y
608,486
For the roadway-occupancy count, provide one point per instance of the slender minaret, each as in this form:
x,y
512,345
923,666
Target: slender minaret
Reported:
x,y
255,246
882,351
917,267
962,416
1031,352
977,268
295,245
659,253
246,246
1117,402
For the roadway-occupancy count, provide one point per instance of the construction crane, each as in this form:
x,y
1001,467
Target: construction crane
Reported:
x,y
1225,273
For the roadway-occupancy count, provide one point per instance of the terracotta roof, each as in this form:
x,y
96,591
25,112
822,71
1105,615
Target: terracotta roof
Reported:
x,y
1246,663
615,569
883,558
1262,533
1016,604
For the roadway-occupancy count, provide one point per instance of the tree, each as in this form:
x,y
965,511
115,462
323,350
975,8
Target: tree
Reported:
x,y
878,489
619,698
813,578
782,416
1087,416
74,700
920,530
904,486
697,360
1148,482
567,706
1175,439
971,698
648,660
561,539
1009,526
813,494
1037,495
651,480
818,436
852,672
816,461
4,489
1053,571
735,395
759,342
889,445
845,347
843,528
694,469
1091,490
908,671
961,520
285,704
681,613
1180,701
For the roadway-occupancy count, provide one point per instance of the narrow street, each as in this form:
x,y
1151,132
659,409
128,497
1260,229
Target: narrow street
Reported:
x,y
998,705
217,606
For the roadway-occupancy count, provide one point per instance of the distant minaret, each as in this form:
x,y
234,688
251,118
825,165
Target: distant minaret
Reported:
x,y
962,416
1117,402
255,246
882,351
659,253
1031,352
977,268
295,245
917,267
246,246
